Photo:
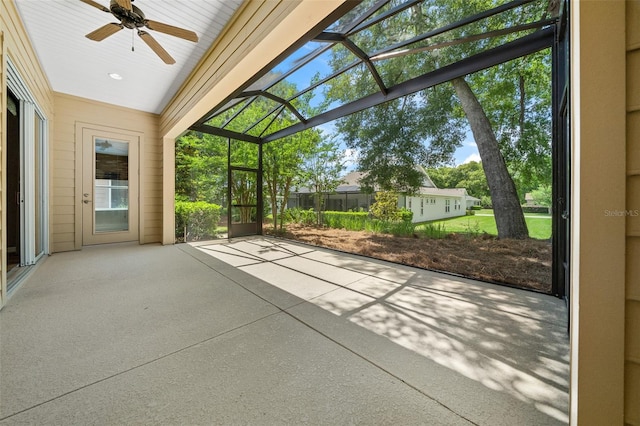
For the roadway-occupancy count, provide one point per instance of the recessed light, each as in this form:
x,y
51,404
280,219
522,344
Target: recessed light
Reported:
x,y
115,76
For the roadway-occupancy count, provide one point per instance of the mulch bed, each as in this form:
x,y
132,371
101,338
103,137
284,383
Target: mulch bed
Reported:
x,y
520,263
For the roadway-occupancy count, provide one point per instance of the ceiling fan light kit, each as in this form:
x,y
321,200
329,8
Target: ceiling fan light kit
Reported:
x,y
133,18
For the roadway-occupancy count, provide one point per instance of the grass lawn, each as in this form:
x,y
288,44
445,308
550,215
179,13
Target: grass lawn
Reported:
x,y
539,224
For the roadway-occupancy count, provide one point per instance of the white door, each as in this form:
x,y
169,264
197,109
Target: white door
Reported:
x,y
109,187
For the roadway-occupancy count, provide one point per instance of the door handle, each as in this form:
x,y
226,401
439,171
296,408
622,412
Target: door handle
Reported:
x,y
86,201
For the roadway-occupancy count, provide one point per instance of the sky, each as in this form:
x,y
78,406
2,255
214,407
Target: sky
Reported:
x,y
467,152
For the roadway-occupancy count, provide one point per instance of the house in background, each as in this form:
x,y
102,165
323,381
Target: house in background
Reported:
x,y
428,203
530,202
433,203
60,123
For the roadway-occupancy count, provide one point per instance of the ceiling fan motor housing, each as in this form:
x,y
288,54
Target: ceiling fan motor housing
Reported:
x,y
131,19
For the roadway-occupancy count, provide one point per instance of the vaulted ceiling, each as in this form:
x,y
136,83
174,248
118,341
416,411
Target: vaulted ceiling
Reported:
x,y
79,66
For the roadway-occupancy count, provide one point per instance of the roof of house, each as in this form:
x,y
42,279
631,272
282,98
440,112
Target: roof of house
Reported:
x,y
351,184
447,192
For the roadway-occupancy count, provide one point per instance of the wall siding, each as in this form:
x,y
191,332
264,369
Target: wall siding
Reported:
x,y
598,239
240,36
72,110
632,305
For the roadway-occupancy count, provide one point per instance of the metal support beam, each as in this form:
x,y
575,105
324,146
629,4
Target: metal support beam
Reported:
x,y
359,53
526,45
216,131
339,12
277,99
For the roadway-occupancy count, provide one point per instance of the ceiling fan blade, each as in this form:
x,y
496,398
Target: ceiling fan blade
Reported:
x,y
96,5
171,30
125,4
155,46
104,32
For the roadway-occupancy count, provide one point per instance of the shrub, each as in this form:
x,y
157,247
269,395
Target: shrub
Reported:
x,y
351,221
405,215
470,212
476,207
301,216
377,226
196,220
401,229
437,230
535,209
385,206
485,202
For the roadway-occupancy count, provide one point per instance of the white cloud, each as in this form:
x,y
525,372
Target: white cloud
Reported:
x,y
473,157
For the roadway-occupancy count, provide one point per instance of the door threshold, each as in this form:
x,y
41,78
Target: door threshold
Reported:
x,y
18,275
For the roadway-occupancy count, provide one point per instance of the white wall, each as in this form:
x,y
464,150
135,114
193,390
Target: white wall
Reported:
x,y
435,210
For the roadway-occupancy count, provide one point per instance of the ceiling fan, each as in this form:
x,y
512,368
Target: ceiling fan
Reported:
x,y
131,17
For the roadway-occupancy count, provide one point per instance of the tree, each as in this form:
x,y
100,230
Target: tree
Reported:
x,y
542,195
200,167
507,107
385,207
322,171
508,213
469,176
282,165
389,139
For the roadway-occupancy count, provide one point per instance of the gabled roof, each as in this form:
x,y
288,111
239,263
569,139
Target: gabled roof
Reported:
x,y
351,184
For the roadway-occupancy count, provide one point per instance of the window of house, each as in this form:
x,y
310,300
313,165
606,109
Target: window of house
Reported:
x,y
456,204
409,203
421,206
447,205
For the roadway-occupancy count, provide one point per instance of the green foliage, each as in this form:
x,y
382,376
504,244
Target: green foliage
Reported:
x,y
426,127
300,216
377,226
539,227
322,171
361,221
469,176
542,195
351,221
475,208
196,220
201,167
432,230
405,215
283,161
385,206
535,209
485,202
401,229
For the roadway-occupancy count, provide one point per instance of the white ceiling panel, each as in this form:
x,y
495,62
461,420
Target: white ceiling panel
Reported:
x,y
78,66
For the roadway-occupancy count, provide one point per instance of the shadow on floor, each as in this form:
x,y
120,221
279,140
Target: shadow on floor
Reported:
x,y
264,331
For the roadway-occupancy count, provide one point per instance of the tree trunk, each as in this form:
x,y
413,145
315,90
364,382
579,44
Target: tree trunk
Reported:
x,y
523,104
504,197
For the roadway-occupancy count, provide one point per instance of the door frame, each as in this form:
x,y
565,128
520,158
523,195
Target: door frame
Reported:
x,y
33,151
80,130
561,159
242,230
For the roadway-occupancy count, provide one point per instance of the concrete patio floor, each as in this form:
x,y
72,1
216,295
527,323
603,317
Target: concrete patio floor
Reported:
x,y
266,331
